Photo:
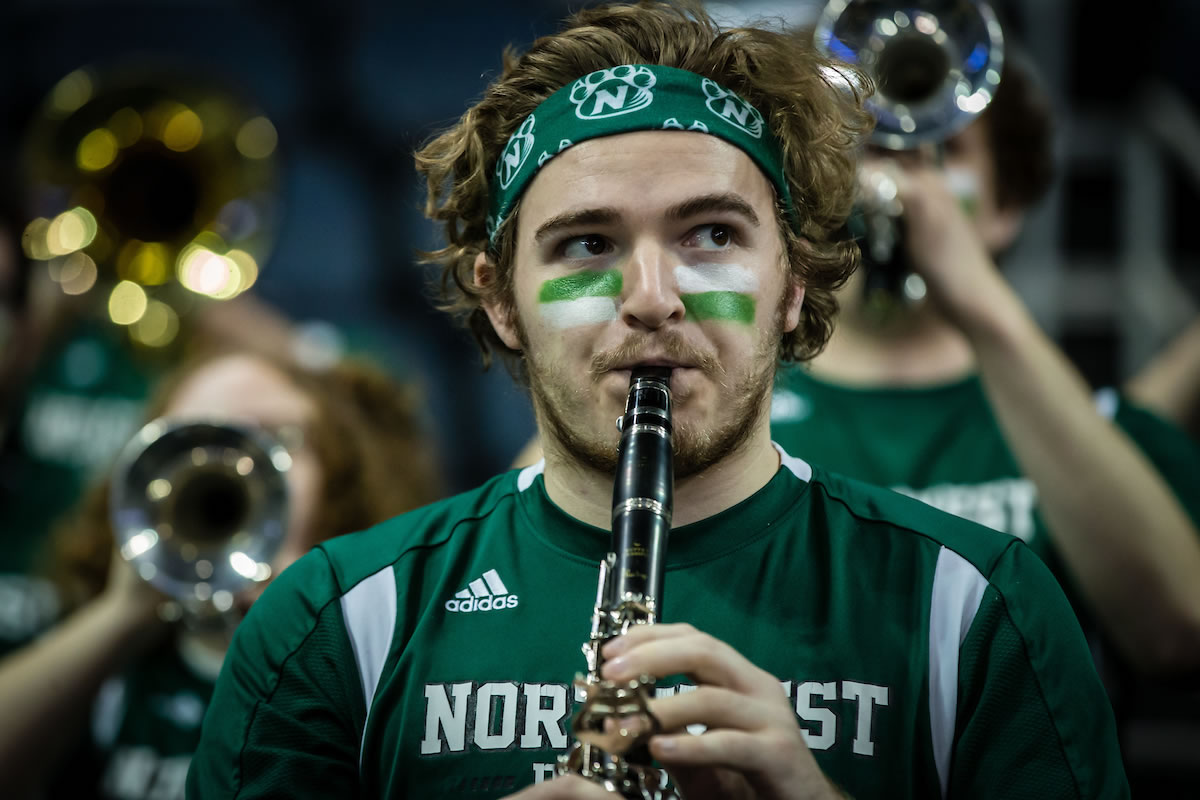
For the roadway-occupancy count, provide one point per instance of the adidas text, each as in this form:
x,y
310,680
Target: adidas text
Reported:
x,y
482,603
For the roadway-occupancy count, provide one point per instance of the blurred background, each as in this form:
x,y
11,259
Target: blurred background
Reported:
x,y
1108,264
327,103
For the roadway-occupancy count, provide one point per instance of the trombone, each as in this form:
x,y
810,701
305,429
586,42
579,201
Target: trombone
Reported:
x,y
199,510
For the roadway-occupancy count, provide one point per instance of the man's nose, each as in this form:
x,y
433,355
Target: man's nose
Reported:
x,y
651,298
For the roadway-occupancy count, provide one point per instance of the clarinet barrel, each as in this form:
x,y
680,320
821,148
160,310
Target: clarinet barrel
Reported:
x,y
642,493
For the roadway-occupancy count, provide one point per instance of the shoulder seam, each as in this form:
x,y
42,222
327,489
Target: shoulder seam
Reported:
x,y
818,478
507,493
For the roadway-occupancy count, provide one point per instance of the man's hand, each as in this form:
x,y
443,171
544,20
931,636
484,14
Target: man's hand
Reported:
x,y
753,746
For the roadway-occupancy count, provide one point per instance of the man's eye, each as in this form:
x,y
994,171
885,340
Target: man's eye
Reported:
x,y
711,237
585,247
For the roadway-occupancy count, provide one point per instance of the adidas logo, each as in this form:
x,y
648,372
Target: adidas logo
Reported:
x,y
483,594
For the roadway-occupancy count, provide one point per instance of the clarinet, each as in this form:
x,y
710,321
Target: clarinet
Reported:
x,y
614,723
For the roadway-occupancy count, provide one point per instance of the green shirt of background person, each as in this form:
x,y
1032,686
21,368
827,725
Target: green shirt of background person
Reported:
x,y
115,693
1124,537
82,404
359,672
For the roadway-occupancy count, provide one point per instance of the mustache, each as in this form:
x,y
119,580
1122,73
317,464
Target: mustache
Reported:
x,y
669,345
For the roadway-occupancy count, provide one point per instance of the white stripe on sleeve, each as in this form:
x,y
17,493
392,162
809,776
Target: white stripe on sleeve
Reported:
x,y
957,592
369,610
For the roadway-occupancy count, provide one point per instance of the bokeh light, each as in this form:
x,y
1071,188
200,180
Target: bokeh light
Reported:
x,y
75,274
158,327
126,124
257,138
34,239
183,130
127,303
144,263
97,150
70,231
70,93
211,274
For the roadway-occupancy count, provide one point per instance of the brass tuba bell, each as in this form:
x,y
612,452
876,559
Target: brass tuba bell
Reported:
x,y
154,190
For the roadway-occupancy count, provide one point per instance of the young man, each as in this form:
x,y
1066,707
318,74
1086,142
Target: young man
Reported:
x,y
641,190
963,402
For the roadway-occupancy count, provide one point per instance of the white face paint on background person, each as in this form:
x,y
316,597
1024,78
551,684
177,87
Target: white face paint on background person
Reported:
x,y
672,242
969,172
248,390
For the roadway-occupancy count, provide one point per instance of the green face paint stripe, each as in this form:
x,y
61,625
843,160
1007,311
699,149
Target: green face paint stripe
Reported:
x,y
583,284
722,306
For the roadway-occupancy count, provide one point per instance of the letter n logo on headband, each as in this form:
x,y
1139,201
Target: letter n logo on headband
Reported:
x,y
612,92
733,109
519,146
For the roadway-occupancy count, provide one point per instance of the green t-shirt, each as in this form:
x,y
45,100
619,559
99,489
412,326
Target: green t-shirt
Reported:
x,y
944,446
431,656
144,728
83,403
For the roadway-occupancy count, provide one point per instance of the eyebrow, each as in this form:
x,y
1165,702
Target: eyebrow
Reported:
x,y
572,219
713,203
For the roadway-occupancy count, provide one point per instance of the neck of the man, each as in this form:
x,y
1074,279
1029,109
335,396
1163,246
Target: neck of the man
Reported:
x,y
917,346
586,493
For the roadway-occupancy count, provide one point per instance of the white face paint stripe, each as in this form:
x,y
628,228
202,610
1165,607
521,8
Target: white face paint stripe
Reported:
x,y
580,311
699,278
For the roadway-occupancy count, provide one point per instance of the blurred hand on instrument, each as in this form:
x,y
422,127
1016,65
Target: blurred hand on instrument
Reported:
x,y
132,598
944,246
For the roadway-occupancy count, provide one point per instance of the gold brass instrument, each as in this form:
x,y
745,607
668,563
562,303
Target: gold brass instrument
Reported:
x,y
153,191
936,65
200,509
613,726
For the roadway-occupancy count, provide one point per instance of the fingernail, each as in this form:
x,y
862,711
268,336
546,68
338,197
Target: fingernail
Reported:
x,y
666,744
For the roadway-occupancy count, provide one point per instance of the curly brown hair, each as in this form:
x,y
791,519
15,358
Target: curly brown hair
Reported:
x,y
818,119
1020,129
368,435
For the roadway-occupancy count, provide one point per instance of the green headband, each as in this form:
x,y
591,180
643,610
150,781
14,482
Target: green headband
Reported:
x,y
632,97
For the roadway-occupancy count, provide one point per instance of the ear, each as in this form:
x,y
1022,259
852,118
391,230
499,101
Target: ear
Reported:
x,y
500,317
792,305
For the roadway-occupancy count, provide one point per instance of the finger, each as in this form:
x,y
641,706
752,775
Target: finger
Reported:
x,y
639,634
781,756
719,708
570,787
707,660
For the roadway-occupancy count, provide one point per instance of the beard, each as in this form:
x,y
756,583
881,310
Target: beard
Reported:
x,y
696,446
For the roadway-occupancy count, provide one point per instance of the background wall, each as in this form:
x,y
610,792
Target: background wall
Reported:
x,y
1108,263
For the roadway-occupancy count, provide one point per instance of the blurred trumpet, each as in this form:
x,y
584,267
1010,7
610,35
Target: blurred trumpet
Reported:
x,y
199,510
153,192
936,65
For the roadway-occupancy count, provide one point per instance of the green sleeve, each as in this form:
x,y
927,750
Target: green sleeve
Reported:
x,y
1173,453
288,712
1033,717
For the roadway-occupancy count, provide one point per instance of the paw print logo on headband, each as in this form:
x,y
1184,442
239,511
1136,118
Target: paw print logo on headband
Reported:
x,y
733,109
516,152
612,92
